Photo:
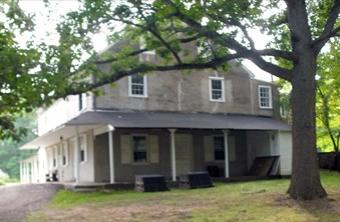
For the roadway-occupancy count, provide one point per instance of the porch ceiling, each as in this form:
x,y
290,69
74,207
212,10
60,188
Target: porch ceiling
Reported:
x,y
178,120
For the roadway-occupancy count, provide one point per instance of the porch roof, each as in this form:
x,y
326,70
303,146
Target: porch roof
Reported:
x,y
178,120
147,120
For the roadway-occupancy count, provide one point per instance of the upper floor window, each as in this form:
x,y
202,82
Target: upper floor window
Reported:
x,y
137,85
265,97
216,88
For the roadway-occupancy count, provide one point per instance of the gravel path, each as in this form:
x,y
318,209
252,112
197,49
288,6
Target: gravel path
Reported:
x,y
18,200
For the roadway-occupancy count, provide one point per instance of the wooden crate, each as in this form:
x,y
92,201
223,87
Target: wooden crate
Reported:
x,y
195,180
150,183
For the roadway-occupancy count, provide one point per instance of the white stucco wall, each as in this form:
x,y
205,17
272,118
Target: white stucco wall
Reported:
x,y
66,173
61,111
87,168
285,149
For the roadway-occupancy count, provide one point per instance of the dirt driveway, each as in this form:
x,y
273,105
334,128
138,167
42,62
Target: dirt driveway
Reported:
x,y
17,200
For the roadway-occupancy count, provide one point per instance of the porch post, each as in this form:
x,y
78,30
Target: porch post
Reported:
x,y
24,171
21,172
77,156
173,153
226,153
111,154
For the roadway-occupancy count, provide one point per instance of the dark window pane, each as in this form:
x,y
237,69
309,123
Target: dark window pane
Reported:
x,y
139,156
216,84
137,89
82,155
219,147
138,79
216,94
139,147
219,155
80,99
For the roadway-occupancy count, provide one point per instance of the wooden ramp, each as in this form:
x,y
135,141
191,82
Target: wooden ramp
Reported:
x,y
265,166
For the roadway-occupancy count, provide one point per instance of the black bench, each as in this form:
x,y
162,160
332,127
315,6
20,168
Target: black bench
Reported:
x,y
150,183
195,180
52,177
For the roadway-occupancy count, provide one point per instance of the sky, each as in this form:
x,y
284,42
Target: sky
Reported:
x,y
46,21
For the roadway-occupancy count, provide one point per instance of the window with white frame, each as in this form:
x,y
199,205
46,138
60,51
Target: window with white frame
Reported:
x,y
65,158
83,149
138,85
216,88
219,148
265,97
139,144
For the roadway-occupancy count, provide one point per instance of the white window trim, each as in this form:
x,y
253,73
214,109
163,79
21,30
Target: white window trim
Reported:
x,y
83,137
210,89
145,87
65,147
270,96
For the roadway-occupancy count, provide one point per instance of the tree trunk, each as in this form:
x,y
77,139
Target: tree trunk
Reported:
x,y
305,182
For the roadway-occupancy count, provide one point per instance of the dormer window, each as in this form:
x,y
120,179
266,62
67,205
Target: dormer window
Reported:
x,y
216,88
265,97
137,85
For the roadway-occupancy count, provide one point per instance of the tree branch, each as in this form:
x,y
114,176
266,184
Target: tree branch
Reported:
x,y
234,22
114,59
329,27
321,41
231,43
143,68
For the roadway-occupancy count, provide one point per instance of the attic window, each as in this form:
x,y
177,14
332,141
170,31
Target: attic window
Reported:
x,y
265,97
137,86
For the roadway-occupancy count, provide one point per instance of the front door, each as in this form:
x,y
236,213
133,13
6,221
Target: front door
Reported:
x,y
184,153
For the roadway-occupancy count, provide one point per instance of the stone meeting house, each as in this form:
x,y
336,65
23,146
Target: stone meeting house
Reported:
x,y
162,123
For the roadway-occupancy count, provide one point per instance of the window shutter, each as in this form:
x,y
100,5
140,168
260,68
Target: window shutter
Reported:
x,y
208,148
126,148
231,148
154,149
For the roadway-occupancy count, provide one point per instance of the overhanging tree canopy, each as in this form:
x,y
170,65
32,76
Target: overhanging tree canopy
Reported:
x,y
222,29
21,88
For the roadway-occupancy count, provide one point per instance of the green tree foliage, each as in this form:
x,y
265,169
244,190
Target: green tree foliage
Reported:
x,y
10,155
25,83
328,106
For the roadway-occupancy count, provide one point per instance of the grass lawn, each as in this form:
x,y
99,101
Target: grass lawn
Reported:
x,y
248,201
